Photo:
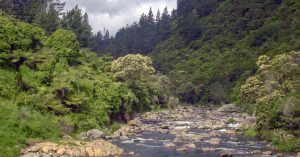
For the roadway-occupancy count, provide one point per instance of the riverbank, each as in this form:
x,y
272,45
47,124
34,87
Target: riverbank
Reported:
x,y
185,131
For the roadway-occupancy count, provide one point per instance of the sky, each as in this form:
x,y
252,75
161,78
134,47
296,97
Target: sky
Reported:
x,y
114,14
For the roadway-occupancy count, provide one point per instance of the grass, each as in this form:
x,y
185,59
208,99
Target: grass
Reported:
x,y
251,132
19,125
283,140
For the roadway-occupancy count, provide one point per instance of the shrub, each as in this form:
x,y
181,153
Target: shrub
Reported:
x,y
65,44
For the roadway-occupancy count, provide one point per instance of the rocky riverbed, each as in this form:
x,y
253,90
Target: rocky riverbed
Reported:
x,y
181,132
191,132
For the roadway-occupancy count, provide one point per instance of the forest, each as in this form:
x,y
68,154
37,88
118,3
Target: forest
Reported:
x,y
58,78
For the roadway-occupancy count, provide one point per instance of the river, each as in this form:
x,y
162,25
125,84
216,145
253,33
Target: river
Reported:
x,y
190,133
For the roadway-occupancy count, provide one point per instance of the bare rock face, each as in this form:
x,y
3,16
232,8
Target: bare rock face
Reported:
x,y
99,148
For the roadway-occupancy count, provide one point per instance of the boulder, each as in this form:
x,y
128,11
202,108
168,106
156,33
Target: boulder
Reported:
x,y
135,122
169,145
226,153
95,134
267,153
99,148
187,147
208,149
214,141
229,108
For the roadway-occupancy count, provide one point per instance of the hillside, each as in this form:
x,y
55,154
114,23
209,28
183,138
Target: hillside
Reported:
x,y
219,50
203,54
50,87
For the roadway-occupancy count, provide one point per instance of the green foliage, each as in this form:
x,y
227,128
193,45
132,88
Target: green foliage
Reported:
x,y
283,140
132,67
44,95
136,70
250,132
78,23
16,35
65,44
19,124
273,92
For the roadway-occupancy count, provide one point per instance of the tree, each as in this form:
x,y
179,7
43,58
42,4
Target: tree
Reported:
x,y
158,17
79,24
165,26
86,32
65,45
132,67
273,91
49,20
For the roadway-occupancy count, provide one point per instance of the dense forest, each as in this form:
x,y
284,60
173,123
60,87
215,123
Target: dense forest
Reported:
x,y
58,78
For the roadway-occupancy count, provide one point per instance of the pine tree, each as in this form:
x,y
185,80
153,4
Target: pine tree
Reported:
x,y
86,32
173,14
165,26
158,17
49,20
79,24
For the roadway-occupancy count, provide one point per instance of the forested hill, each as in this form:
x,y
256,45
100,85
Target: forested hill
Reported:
x,y
213,45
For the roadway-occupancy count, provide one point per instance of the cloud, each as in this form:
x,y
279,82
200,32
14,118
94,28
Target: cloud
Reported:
x,y
114,14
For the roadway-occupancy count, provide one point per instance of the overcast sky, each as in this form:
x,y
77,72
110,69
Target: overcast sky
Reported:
x,y
114,14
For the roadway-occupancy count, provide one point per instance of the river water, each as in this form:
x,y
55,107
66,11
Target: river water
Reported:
x,y
151,144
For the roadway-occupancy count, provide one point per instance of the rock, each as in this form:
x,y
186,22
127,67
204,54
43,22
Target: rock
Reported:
x,y
90,151
228,108
165,127
61,151
187,147
95,134
280,155
214,141
31,155
135,122
211,124
257,152
208,149
123,138
83,136
226,153
267,153
131,153
190,146
67,137
181,149
169,145
99,148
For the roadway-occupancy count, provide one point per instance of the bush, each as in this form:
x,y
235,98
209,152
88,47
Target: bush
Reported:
x,y
65,44
283,140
